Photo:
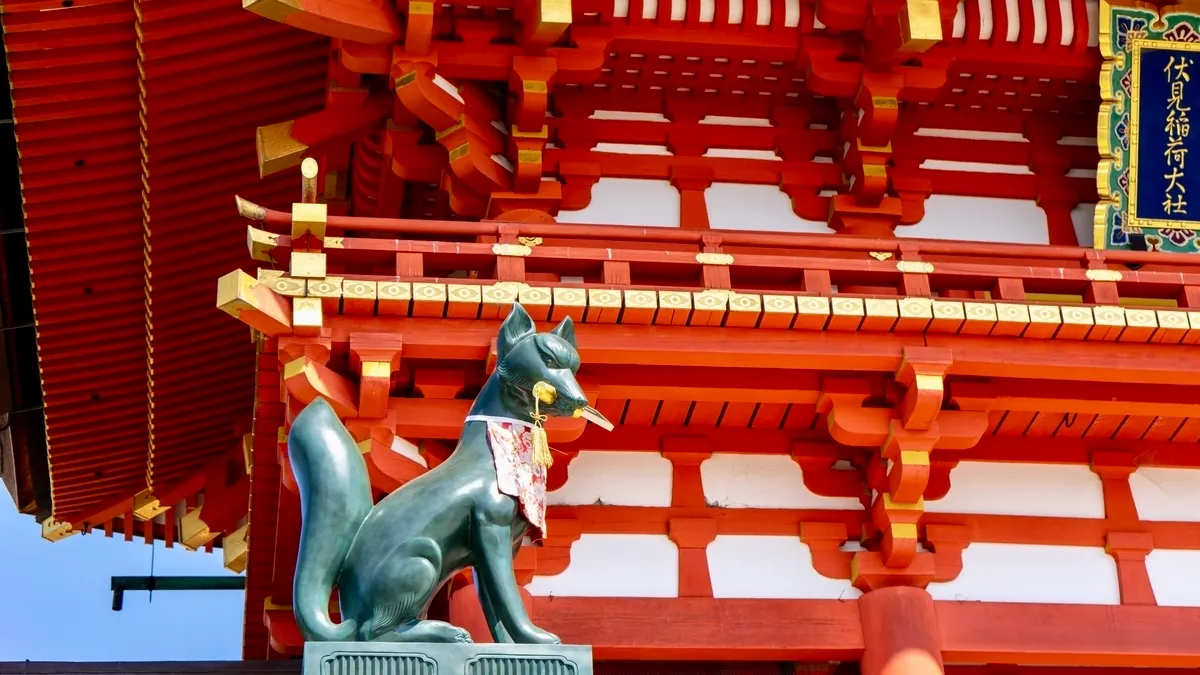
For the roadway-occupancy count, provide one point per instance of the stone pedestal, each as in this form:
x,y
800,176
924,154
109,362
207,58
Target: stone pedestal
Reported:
x,y
368,658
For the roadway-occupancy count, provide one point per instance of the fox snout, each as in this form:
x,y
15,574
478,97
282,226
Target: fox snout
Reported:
x,y
562,395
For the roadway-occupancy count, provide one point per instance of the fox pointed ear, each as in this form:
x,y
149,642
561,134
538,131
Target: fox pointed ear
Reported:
x,y
516,327
566,331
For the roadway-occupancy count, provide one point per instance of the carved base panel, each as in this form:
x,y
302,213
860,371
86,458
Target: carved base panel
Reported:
x,y
357,658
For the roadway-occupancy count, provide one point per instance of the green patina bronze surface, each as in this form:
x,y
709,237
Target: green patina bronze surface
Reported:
x,y
388,560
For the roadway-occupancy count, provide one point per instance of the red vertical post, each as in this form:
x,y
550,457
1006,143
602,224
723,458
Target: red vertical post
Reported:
x,y
900,632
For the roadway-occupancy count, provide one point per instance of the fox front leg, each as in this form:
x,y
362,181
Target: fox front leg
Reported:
x,y
494,565
499,633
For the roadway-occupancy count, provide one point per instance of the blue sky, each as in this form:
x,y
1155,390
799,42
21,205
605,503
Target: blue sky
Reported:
x,y
56,603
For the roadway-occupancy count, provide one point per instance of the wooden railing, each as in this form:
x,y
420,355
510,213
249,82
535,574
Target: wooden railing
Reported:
x,y
750,262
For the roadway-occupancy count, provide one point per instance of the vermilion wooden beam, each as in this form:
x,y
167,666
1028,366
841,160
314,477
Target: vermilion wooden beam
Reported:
x,y
658,345
782,441
661,345
354,20
703,629
1050,397
1077,635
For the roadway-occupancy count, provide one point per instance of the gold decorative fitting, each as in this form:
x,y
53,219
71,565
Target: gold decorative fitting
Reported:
x,y
307,265
544,132
329,287
555,13
308,180
309,218
335,242
913,267
56,530
194,532
248,209
884,102
714,258
234,292
410,77
511,250
529,156
248,452
449,130
235,549
277,150
920,25
1103,275
261,244
307,313
530,241
881,255
534,86
146,506
378,369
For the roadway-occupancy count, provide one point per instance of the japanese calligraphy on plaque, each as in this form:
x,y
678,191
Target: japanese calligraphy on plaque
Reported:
x,y
1149,175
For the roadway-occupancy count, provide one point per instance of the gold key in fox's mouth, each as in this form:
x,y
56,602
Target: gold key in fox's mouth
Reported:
x,y
592,415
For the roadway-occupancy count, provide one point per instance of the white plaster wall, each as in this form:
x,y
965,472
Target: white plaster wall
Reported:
x,y
763,482
734,206
980,219
1022,489
1082,218
629,201
616,565
1173,577
769,567
1162,493
1028,573
616,478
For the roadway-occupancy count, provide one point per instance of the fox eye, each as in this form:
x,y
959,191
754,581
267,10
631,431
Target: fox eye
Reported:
x,y
549,362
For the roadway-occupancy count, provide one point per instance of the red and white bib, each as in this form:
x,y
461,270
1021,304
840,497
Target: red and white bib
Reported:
x,y
511,442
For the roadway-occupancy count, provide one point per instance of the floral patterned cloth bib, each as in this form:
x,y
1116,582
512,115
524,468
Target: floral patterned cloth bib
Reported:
x,y
511,442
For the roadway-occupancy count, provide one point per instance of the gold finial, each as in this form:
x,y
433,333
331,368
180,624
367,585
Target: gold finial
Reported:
x,y
308,171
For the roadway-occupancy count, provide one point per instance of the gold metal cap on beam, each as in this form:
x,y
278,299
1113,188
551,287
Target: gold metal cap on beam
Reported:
x,y
146,506
920,25
235,548
261,244
277,150
56,530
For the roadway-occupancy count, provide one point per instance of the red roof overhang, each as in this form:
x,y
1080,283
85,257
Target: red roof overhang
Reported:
x,y
135,123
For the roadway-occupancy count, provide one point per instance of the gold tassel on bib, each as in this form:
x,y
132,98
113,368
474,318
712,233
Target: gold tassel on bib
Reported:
x,y
542,392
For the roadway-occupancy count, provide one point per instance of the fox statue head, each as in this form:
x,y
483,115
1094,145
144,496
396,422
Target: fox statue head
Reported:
x,y
537,370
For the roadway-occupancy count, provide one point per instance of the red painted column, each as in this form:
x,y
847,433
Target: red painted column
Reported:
x,y
900,632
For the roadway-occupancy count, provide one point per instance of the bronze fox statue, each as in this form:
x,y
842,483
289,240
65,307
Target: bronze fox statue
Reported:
x,y
473,510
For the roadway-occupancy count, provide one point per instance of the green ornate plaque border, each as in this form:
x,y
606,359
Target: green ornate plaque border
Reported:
x,y
1123,32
